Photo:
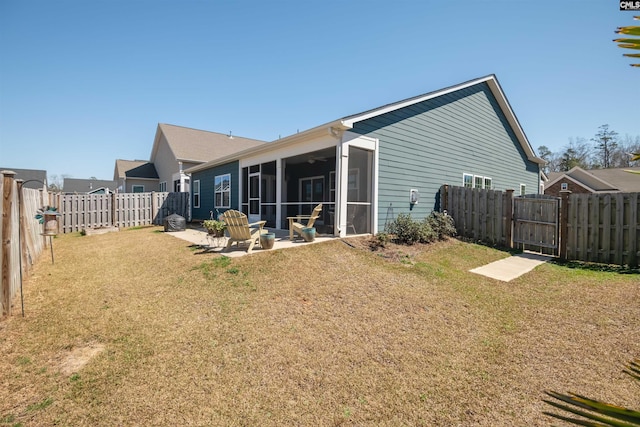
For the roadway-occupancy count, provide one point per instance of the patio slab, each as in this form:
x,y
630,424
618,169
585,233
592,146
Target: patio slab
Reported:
x,y
216,245
512,267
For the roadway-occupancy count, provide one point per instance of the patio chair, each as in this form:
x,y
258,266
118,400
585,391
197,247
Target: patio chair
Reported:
x,y
295,224
240,231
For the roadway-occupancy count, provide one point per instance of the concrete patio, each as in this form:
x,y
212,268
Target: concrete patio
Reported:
x,y
198,236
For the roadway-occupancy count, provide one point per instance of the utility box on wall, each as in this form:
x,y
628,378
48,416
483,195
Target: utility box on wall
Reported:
x,y
414,196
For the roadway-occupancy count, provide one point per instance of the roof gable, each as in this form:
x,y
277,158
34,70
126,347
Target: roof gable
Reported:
x,y
491,81
123,166
609,180
347,123
198,146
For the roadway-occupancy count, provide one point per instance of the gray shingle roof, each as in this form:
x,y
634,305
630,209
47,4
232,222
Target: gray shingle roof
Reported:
x,y
81,186
135,169
37,178
195,145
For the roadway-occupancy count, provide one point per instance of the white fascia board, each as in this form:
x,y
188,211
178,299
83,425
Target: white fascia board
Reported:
x,y
290,140
349,121
493,84
312,143
513,121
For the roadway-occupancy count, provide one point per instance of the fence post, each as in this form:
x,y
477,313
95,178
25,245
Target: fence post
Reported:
x,y
509,219
564,223
444,191
7,233
154,207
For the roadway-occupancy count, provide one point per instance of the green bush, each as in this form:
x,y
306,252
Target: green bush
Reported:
x,y
406,230
442,224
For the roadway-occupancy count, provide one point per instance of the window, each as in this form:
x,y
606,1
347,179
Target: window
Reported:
x,y
163,186
523,189
467,180
137,188
196,193
564,186
477,181
222,190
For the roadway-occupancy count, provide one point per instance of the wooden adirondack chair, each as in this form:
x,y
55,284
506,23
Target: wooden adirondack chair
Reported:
x,y
295,226
240,231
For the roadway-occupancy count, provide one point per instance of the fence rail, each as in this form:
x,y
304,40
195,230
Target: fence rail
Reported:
x,y
22,239
603,228
82,211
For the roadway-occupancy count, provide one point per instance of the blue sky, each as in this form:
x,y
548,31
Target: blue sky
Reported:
x,y
83,83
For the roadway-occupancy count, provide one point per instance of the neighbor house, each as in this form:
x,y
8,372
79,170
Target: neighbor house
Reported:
x,y
578,180
176,148
88,186
31,178
135,176
369,167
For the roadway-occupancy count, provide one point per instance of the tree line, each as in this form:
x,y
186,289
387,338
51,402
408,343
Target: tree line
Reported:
x,y
605,150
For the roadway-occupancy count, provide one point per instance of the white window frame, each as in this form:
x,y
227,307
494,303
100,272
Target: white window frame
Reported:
x,y
163,187
216,192
476,179
196,193
488,181
564,186
133,188
464,180
523,189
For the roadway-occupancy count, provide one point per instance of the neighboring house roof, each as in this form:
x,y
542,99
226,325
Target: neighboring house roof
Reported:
x,y
82,186
348,122
37,178
601,180
135,169
195,146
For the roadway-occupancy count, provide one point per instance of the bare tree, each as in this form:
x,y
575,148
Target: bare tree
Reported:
x,y
552,159
622,157
56,181
577,153
606,142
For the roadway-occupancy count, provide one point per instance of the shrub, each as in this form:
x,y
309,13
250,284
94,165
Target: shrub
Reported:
x,y
406,230
442,224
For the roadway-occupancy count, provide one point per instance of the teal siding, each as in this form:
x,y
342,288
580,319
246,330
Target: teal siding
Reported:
x,y
207,178
434,142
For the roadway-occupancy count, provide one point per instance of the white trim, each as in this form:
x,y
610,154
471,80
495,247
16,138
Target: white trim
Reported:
x,y
349,122
523,187
196,183
333,129
464,175
221,192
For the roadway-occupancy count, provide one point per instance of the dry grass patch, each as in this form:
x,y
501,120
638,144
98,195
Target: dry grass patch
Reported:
x,y
323,334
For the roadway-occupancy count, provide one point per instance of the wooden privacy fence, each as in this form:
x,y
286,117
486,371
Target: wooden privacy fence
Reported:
x,y
82,211
22,240
603,228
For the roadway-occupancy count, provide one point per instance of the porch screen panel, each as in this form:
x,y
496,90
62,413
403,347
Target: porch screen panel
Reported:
x,y
268,193
359,190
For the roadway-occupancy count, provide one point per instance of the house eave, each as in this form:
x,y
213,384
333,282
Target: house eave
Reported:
x,y
493,84
296,138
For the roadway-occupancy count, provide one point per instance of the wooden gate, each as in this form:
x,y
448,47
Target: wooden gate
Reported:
x,y
535,222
